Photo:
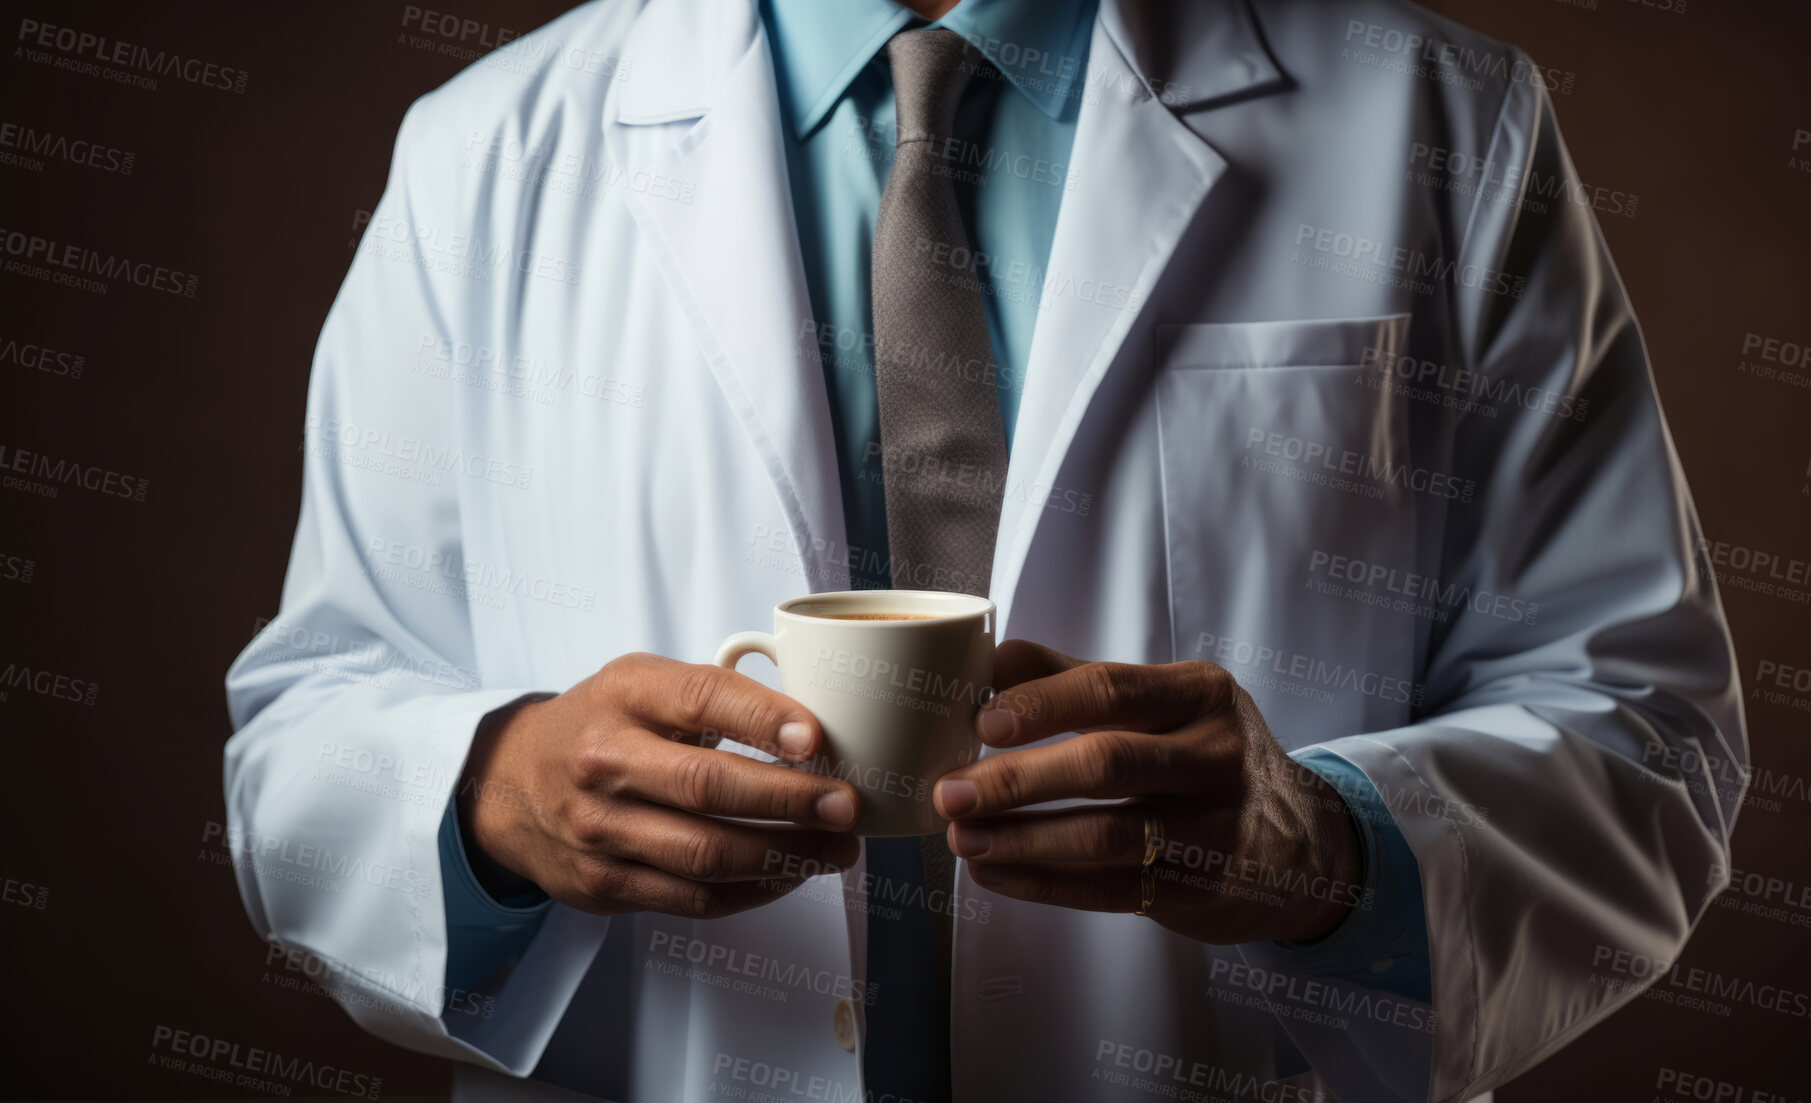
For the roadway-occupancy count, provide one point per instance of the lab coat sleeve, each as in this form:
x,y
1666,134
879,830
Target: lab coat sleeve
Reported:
x,y
355,706
1566,793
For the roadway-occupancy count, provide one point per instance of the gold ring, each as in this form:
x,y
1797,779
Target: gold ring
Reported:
x,y
1147,876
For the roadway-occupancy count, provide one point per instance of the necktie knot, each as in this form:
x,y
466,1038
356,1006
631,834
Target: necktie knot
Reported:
x,y
928,79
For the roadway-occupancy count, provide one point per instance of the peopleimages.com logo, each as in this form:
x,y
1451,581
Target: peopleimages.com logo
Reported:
x,y
90,268
96,55
254,1066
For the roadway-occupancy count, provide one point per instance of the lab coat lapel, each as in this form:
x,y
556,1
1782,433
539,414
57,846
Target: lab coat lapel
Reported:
x,y
728,245
700,115
1141,174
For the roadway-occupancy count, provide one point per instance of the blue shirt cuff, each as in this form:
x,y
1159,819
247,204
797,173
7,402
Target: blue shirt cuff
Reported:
x,y
482,933
1382,943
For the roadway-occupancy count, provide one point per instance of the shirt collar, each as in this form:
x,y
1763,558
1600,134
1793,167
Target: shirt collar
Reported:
x,y
821,45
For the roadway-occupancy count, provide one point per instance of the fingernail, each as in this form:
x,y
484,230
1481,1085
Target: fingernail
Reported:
x,y
956,798
968,840
836,808
995,726
795,736
984,874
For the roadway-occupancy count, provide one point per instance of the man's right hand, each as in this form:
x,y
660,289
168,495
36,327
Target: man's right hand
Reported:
x,y
613,799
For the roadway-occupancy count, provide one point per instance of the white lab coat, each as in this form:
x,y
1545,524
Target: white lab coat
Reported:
x,y
566,407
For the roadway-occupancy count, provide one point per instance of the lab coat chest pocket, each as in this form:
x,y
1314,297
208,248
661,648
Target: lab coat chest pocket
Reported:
x,y
1286,472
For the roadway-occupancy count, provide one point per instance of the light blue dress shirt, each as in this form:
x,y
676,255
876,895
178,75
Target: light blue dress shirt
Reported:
x,y
482,933
1010,166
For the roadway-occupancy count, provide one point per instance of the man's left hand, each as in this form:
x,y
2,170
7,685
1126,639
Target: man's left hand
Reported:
x,y
1247,843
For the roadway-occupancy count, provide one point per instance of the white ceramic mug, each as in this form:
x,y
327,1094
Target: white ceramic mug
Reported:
x,y
896,698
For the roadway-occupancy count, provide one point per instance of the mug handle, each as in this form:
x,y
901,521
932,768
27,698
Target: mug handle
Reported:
x,y
746,643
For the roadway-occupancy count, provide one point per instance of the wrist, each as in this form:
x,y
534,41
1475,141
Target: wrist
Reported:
x,y
490,802
1338,860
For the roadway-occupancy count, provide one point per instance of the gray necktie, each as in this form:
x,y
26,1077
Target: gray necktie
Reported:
x,y
943,448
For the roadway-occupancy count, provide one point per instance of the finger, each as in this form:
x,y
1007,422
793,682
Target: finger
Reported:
x,y
1112,834
700,848
1091,696
1099,765
678,699
717,783
1017,661
1087,888
611,887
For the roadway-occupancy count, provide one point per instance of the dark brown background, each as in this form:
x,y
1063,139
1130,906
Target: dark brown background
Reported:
x,y
107,804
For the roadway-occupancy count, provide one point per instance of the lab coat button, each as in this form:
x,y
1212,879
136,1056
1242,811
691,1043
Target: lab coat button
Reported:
x,y
842,1020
